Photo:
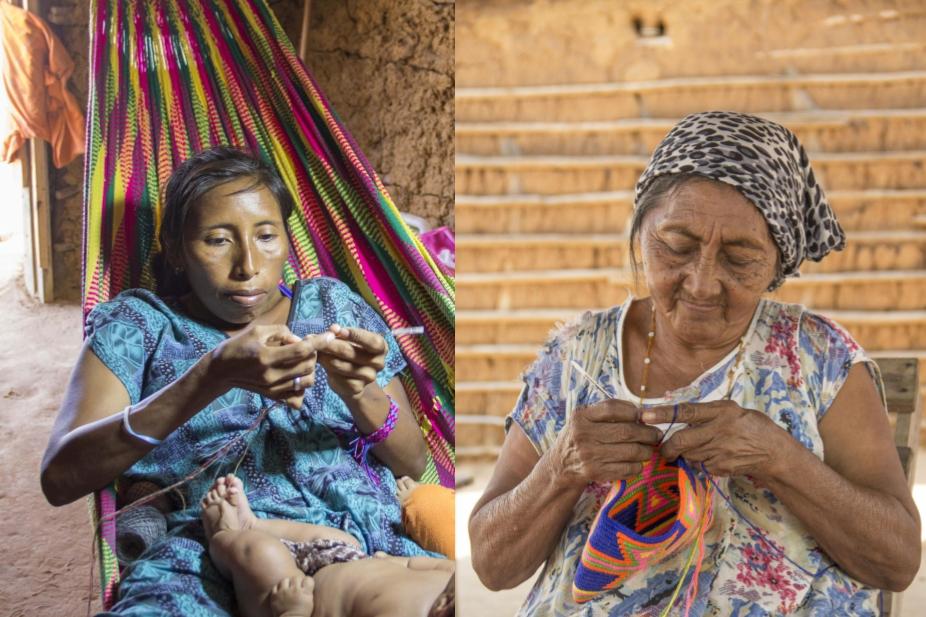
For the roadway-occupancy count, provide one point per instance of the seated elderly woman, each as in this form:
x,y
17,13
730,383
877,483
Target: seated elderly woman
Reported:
x,y
224,357
705,449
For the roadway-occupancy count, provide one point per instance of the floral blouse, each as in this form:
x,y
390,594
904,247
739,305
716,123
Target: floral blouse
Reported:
x,y
793,366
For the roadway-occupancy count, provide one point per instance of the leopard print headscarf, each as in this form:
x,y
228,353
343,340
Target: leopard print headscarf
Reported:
x,y
767,164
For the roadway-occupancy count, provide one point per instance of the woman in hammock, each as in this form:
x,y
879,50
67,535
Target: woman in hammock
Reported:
x,y
772,412
164,381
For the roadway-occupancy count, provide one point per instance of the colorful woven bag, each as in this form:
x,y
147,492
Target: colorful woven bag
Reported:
x,y
643,520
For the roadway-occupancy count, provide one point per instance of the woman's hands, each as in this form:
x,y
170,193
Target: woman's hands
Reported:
x,y
352,360
727,439
267,360
603,443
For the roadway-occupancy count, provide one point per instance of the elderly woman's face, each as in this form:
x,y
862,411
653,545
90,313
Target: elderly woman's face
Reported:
x,y
707,258
234,249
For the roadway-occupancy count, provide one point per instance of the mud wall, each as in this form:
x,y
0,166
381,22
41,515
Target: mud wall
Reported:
x,y
386,67
533,42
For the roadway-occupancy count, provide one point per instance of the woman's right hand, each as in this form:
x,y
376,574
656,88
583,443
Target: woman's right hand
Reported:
x,y
267,359
603,443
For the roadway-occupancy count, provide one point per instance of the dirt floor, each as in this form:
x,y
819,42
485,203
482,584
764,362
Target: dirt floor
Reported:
x,y
46,565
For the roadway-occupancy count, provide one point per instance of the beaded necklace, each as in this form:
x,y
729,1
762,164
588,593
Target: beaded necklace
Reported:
x,y
648,361
697,546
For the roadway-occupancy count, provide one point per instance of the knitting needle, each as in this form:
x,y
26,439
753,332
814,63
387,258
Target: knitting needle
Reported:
x,y
413,331
582,372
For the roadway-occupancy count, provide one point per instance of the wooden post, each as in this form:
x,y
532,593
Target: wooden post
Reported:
x,y
40,215
304,36
37,205
29,259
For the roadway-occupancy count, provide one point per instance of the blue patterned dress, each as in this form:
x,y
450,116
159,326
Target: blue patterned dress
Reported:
x,y
793,366
297,466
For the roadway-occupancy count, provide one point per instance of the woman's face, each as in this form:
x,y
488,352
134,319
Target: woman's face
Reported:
x,y
707,259
233,252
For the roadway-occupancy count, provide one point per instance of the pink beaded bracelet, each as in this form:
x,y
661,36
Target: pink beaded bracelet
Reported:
x,y
362,444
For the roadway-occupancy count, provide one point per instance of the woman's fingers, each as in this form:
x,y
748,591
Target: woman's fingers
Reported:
x,y
629,453
291,353
623,432
610,410
343,350
370,342
686,413
687,440
349,369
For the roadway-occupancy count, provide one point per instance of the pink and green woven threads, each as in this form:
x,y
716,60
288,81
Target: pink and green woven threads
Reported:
x,y
643,520
172,77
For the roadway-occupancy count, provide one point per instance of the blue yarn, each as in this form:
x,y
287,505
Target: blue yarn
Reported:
x,y
760,531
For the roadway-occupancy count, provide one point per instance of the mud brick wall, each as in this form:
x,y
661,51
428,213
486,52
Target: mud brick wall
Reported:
x,y
386,67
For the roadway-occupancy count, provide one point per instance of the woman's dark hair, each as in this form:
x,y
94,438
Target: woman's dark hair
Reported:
x,y
189,182
659,189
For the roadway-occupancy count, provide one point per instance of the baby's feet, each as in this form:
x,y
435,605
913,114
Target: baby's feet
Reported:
x,y
226,507
293,597
218,515
406,487
232,489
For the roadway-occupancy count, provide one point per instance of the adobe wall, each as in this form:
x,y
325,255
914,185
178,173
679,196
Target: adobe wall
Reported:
x,y
532,42
387,71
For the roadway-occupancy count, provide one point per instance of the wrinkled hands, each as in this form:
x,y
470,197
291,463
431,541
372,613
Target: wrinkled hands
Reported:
x,y
727,439
603,443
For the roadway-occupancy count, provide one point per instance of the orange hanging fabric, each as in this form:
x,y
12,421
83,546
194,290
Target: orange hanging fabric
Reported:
x,y
35,68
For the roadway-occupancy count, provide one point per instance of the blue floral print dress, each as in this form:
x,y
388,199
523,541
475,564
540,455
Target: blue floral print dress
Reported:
x,y
295,463
759,560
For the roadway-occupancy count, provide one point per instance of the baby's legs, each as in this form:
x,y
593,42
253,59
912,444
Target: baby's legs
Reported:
x,y
381,587
265,577
419,563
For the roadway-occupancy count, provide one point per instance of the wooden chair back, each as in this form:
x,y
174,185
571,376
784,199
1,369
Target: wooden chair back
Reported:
x,y
901,388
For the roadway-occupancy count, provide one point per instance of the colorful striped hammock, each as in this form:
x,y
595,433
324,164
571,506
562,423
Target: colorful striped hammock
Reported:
x,y
172,77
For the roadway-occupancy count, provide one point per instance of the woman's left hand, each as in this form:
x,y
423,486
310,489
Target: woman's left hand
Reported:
x,y
727,439
352,360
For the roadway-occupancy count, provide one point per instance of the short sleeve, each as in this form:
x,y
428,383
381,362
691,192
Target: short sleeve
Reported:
x,y
831,352
122,333
541,408
326,300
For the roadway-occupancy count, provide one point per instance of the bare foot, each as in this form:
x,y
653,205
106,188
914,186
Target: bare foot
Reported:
x,y
406,487
293,597
445,605
218,515
232,489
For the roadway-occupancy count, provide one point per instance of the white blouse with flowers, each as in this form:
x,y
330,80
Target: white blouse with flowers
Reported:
x,y
759,559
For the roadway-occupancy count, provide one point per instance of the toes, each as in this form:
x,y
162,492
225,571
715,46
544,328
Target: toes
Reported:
x,y
307,584
281,586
